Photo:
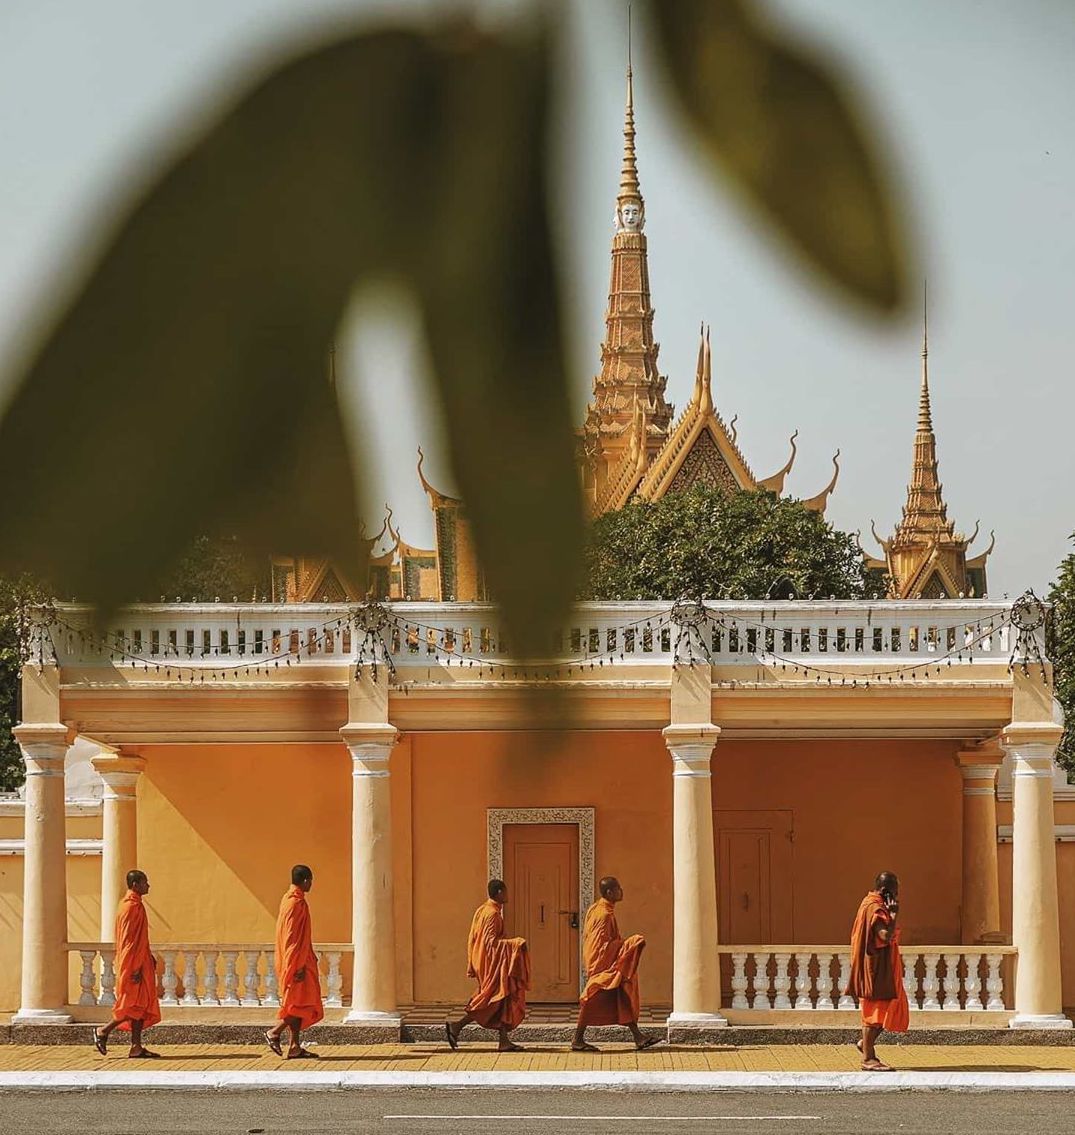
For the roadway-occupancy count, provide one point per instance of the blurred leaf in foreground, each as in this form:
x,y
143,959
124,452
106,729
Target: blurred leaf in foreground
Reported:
x,y
779,125
184,389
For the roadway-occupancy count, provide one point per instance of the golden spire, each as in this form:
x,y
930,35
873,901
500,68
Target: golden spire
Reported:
x,y
629,187
925,513
628,352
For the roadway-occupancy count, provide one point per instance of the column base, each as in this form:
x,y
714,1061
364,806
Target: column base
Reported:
x,y
41,1017
695,1028
1053,1021
373,1027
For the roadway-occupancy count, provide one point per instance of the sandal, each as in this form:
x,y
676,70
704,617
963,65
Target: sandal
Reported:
x,y
584,1047
512,1047
876,1066
648,1042
302,1054
99,1042
453,1040
273,1042
145,1054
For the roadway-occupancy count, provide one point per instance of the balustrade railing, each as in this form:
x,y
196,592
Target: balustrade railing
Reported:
x,y
220,976
937,978
849,634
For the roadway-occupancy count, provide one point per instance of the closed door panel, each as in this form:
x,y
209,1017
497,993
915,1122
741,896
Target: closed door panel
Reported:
x,y
541,868
745,887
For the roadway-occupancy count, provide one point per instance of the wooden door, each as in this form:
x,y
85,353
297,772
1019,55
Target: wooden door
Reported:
x,y
754,877
541,868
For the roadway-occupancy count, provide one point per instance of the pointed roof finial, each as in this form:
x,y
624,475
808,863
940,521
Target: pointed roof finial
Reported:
x,y
629,187
925,417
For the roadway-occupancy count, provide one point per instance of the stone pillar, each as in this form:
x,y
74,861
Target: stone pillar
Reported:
x,y
120,773
696,964
44,908
373,987
1035,908
980,915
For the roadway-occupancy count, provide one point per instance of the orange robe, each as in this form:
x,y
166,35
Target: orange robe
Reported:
x,y
135,1000
877,968
295,951
502,969
611,995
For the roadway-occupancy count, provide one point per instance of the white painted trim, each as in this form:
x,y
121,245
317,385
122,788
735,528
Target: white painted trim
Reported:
x,y
16,806
496,818
869,1083
76,848
1063,833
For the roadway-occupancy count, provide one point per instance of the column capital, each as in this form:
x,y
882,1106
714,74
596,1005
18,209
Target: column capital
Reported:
x,y
702,733
691,747
356,733
120,772
370,744
1021,733
44,746
980,763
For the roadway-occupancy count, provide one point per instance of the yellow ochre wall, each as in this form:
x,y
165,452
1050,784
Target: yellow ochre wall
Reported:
x,y
83,903
221,825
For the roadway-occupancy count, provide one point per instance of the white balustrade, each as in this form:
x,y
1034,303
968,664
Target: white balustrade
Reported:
x,y
951,978
739,982
828,982
782,982
249,968
230,639
802,981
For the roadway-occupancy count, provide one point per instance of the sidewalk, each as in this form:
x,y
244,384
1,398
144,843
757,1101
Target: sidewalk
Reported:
x,y
425,1059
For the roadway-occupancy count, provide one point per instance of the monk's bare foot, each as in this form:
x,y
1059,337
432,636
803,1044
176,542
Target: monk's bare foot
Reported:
x,y
584,1047
510,1046
273,1042
647,1042
301,1054
876,1065
100,1042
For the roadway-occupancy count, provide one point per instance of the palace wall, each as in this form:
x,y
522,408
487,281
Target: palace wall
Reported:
x,y
221,825
83,903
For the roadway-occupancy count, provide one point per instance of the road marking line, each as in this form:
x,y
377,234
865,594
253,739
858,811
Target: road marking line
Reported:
x,y
618,1118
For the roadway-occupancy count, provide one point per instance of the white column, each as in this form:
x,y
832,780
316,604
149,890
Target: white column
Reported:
x,y
980,916
1035,909
696,964
119,829
373,984
44,909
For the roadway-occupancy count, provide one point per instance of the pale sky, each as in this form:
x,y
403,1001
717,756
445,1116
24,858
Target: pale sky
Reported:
x,y
975,100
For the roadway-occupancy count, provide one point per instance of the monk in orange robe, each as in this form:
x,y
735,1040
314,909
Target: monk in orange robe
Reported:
x,y
611,996
501,967
296,968
136,1006
877,969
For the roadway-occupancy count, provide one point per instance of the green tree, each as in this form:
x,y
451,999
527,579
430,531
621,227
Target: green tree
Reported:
x,y
1062,653
708,543
20,596
217,567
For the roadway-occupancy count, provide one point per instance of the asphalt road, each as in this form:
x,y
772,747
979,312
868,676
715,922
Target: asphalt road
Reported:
x,y
477,1112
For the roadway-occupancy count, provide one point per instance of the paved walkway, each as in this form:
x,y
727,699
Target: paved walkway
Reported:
x,y
423,1058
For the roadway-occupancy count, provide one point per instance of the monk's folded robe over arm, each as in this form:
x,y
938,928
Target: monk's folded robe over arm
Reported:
x,y
876,979
136,971
299,997
501,966
611,996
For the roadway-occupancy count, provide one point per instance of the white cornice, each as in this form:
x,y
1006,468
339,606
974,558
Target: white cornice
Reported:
x,y
75,847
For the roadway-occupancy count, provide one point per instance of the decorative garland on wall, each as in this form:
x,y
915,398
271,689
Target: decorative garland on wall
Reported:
x,y
688,631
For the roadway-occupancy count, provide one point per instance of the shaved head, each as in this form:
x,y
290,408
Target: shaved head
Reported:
x,y
607,885
886,881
